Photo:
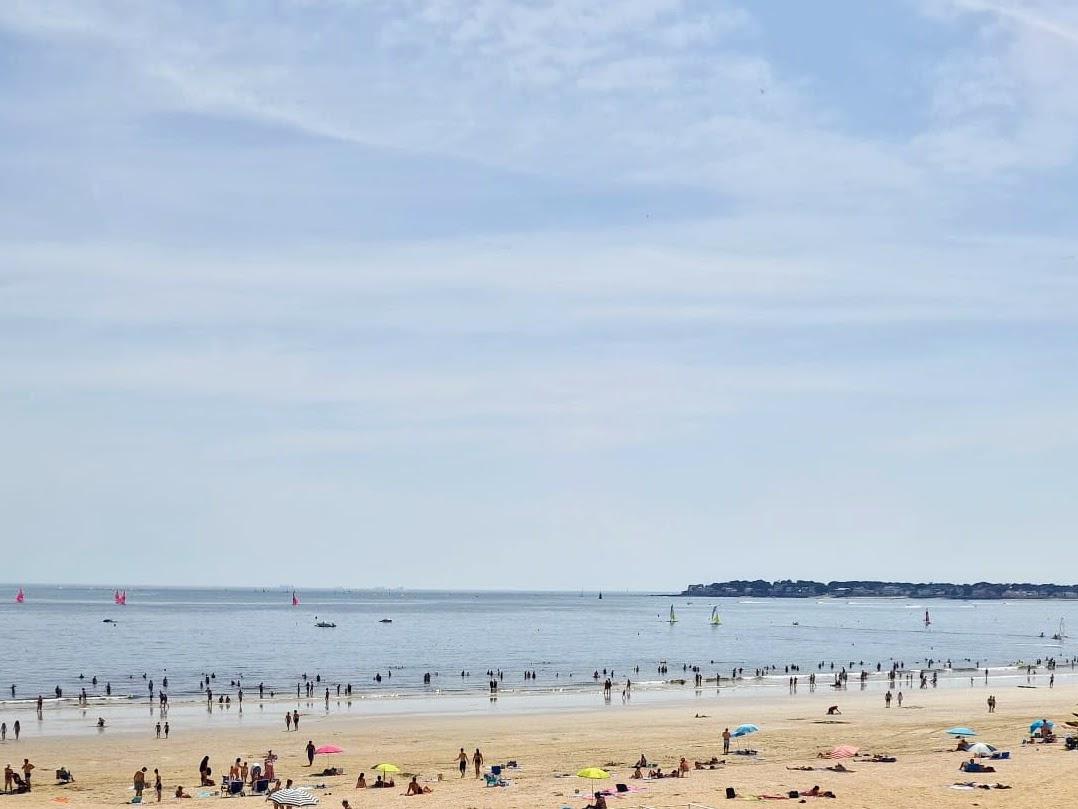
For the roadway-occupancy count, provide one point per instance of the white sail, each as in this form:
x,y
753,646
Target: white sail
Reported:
x,y
715,620
673,617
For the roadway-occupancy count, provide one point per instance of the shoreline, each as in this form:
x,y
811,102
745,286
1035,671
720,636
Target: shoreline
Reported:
x,y
131,714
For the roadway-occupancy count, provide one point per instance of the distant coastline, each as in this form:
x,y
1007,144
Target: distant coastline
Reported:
x,y
788,588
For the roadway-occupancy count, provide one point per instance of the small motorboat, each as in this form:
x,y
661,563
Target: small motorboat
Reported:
x,y
324,624
107,621
386,621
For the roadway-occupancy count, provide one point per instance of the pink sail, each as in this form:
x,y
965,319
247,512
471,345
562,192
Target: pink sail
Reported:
x,y
295,601
20,596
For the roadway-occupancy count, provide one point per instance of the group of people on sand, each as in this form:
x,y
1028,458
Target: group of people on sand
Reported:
x,y
680,771
15,783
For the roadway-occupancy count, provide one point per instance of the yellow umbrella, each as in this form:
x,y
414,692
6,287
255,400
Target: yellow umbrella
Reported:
x,y
594,773
386,769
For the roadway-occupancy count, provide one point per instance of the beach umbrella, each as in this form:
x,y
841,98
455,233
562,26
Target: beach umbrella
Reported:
x,y
386,769
843,751
293,797
961,732
594,773
328,749
981,750
744,730
1035,726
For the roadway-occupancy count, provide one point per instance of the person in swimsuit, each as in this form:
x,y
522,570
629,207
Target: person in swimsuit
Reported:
x,y
462,761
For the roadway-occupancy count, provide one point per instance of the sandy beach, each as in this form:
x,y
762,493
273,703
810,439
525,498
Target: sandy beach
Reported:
x,y
549,747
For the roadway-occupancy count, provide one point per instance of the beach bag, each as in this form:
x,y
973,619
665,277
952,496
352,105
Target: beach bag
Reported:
x,y
730,793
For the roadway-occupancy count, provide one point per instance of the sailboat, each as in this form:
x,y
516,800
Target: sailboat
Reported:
x,y
715,620
120,597
20,596
1061,634
600,595
928,621
673,617
295,601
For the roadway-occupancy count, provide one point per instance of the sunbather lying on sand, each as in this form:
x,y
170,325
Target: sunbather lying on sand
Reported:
x,y
816,792
973,766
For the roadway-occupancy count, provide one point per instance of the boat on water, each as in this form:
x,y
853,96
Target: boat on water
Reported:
x,y
20,597
1062,633
928,621
295,600
324,624
715,619
386,621
673,616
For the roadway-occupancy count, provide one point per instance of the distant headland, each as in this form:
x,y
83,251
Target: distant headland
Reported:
x,y
982,590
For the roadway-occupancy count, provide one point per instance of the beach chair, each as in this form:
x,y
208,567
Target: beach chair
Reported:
x,y
231,788
260,787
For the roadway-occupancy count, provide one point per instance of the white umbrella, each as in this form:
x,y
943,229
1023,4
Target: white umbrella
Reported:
x,y
981,750
293,797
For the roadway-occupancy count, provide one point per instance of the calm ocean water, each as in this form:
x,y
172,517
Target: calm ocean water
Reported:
x,y
59,634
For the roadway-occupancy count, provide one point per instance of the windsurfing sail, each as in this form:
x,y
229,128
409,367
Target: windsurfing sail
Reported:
x,y
1061,634
673,616
20,596
927,619
295,601
715,620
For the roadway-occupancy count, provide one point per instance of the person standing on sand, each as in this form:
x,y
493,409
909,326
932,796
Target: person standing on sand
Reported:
x,y
295,719
27,768
310,753
3,731
17,728
287,721
477,760
887,699
157,783
166,730
140,782
462,761
158,729
899,699
725,742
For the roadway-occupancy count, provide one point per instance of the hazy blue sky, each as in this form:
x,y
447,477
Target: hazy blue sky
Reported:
x,y
558,293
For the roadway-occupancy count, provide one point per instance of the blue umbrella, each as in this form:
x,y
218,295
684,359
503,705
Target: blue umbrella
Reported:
x,y
961,732
1037,725
744,730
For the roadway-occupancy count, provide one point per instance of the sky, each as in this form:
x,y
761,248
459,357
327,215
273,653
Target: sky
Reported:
x,y
563,294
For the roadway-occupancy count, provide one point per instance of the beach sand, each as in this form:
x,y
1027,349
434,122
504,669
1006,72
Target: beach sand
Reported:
x,y
547,746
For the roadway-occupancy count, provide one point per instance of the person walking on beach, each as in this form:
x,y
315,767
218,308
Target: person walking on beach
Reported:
x,y
157,783
166,730
3,731
899,699
477,760
295,719
17,728
287,721
310,753
158,729
462,761
725,741
887,699
140,782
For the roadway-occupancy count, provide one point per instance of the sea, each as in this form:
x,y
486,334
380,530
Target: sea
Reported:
x,y
64,636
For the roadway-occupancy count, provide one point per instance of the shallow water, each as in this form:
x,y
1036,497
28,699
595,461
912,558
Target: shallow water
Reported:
x,y
58,634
